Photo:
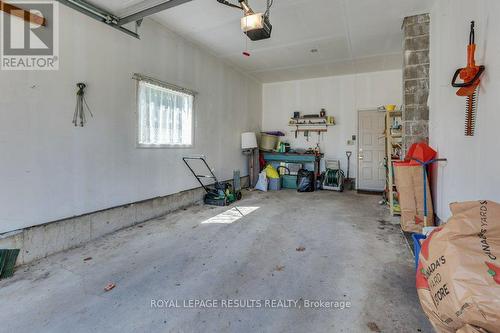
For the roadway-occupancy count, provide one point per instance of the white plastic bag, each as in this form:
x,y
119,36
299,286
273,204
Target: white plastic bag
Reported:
x,y
262,182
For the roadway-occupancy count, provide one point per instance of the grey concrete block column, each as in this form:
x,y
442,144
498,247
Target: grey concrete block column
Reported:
x,y
415,79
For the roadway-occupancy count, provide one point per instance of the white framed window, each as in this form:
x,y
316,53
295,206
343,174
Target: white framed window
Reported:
x,y
165,114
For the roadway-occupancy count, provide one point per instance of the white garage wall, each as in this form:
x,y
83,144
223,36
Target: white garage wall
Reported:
x,y
51,170
341,96
472,169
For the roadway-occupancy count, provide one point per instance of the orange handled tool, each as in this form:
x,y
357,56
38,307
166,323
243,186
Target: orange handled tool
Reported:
x,y
470,76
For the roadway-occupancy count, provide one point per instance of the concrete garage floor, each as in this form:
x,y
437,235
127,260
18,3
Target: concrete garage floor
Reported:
x,y
351,254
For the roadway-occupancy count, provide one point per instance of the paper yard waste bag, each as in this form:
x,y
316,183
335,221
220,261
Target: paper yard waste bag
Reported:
x,y
458,277
471,329
410,186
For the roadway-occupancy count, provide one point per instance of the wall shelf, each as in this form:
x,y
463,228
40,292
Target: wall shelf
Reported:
x,y
317,124
312,130
393,147
395,114
309,125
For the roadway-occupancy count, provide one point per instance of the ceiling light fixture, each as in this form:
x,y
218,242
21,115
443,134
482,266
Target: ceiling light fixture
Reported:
x,y
255,25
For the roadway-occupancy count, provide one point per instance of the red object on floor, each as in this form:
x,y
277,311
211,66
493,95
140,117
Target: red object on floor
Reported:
x,y
420,151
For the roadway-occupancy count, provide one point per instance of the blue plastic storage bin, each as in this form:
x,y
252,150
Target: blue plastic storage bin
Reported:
x,y
274,184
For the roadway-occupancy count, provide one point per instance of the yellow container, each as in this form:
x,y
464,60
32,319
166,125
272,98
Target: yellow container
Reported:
x,y
390,107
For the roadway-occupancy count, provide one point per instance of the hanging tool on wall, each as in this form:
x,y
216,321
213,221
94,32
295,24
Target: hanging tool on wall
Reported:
x,y
79,118
469,88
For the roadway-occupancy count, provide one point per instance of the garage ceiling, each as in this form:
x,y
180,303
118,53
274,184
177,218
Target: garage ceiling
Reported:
x,y
350,36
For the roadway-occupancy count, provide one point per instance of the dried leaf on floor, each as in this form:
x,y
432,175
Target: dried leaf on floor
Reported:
x,y
279,268
87,259
300,249
373,327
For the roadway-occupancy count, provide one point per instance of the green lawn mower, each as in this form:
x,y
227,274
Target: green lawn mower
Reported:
x,y
218,193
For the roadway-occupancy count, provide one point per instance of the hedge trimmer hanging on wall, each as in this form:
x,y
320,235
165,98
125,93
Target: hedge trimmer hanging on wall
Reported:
x,y
470,76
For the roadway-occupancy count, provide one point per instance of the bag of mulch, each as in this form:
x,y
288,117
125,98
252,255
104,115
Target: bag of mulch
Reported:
x,y
305,181
458,276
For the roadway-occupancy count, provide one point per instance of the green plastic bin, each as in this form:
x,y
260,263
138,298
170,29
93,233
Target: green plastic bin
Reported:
x,y
289,181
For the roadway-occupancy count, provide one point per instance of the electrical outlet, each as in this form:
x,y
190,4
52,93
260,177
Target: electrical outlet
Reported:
x,y
354,138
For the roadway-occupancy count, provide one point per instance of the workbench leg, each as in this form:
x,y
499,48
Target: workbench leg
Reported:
x,y
316,171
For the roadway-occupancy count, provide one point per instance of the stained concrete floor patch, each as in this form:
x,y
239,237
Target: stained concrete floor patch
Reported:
x,y
352,255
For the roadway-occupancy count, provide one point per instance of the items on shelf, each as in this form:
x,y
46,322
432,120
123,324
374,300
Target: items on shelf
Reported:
x,y
393,135
327,120
318,123
284,147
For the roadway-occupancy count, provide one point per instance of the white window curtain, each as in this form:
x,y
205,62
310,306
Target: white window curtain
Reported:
x,y
165,116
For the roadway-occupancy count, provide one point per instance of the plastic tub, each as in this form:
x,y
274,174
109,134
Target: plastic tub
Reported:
x,y
274,184
268,142
289,181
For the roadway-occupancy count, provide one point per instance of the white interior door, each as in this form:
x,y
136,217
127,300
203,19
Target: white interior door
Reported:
x,y
371,154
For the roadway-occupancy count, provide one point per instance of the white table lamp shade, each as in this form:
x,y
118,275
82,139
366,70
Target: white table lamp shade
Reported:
x,y
248,140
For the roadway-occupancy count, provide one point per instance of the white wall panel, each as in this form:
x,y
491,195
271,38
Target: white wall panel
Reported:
x,y
51,170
